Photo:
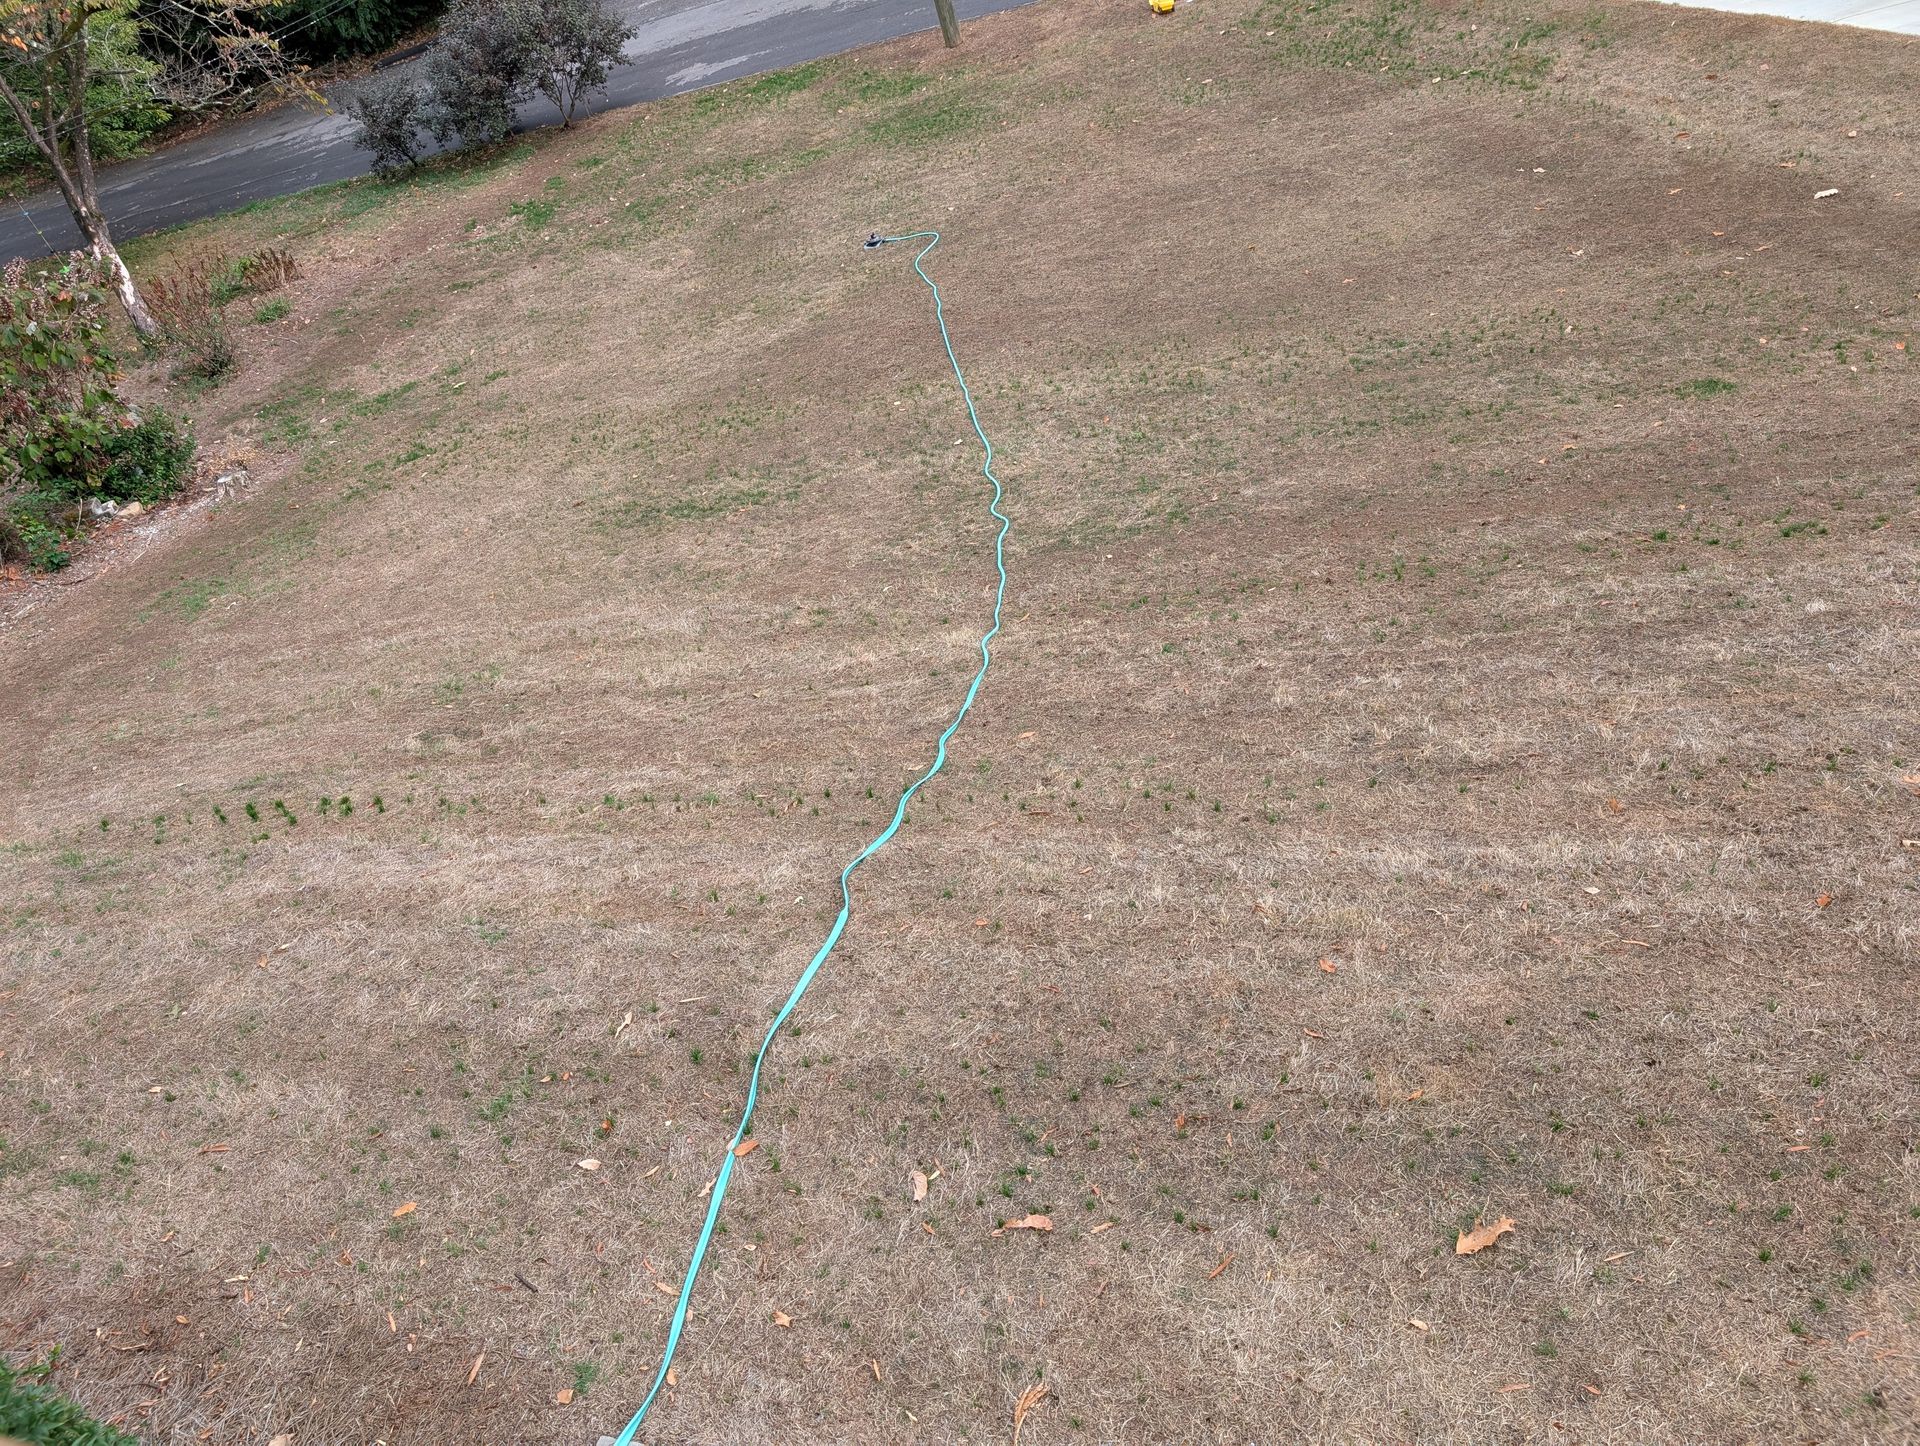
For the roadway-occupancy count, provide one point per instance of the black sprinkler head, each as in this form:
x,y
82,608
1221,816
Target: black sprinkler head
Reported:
x,y
874,240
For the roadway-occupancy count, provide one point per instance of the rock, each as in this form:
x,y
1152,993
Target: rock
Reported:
x,y
132,509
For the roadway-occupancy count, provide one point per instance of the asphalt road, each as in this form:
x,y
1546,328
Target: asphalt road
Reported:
x,y
680,45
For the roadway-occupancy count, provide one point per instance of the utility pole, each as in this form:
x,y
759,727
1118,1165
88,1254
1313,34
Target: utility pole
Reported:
x,y
949,26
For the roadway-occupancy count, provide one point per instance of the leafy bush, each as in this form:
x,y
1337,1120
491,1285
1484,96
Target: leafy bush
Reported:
x,y
149,461
64,434
57,405
579,43
35,1414
480,68
391,113
490,56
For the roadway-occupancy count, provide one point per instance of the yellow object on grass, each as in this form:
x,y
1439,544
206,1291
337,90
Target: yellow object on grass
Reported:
x,y
1161,7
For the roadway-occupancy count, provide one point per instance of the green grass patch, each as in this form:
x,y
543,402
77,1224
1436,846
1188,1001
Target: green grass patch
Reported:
x,y
929,121
536,214
887,84
1707,387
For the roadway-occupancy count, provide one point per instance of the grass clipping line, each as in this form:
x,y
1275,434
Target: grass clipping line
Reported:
x,y
740,1146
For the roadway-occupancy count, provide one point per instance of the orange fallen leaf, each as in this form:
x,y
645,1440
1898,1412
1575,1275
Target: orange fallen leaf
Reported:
x,y
563,1398
919,1186
1415,1095
1472,1241
979,923
1225,1261
1859,1336
1029,1398
673,1375
874,1366
1591,1390
1418,1324
1796,1149
1822,901
215,1149
782,1319
1030,1222
1614,805
1327,966
393,1326
473,1373
406,1209
179,1320
745,1148
1103,1225
1313,1034
926,1228
663,1287
1516,1386
1024,736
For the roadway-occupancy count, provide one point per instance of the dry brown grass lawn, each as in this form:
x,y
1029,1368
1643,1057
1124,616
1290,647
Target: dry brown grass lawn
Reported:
x,y
1464,532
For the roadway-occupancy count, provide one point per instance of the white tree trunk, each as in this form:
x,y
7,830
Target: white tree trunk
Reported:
x,y
105,252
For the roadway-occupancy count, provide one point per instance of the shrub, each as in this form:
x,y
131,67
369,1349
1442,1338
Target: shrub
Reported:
x,y
481,67
148,461
64,435
491,56
187,307
57,406
580,42
32,1412
391,114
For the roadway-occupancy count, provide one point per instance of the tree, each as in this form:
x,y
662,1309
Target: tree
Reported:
x,y
483,65
390,111
580,43
53,53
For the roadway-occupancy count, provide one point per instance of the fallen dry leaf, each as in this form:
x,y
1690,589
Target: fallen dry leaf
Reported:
x,y
1103,1225
589,1164
1225,1261
563,1398
1614,805
1481,1236
745,1148
1030,1222
919,1186
782,1319
1415,1095
673,1375
473,1372
285,1438
406,1209
1417,1324
1029,1398
1516,1386
1327,966
1822,901
663,1287
874,1366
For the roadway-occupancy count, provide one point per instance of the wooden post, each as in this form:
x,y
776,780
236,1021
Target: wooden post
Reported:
x,y
949,26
